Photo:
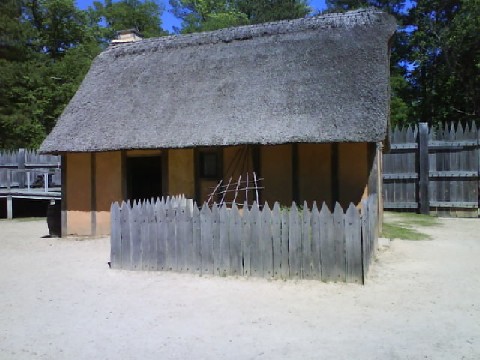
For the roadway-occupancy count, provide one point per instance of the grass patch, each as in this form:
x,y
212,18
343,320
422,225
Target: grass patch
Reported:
x,y
415,219
400,231
401,226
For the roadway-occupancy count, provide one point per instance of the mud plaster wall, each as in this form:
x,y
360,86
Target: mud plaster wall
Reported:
x,y
78,194
353,172
108,187
276,170
315,173
181,172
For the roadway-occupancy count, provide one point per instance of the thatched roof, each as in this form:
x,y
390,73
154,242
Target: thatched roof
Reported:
x,y
318,79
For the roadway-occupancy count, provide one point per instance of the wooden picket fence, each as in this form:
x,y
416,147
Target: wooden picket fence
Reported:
x,y
433,170
282,243
23,168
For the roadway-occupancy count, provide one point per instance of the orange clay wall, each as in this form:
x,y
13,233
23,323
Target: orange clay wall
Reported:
x,y
108,188
353,170
181,172
276,170
315,173
87,212
78,194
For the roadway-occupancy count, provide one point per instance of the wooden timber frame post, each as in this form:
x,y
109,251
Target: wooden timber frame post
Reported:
x,y
423,167
21,166
63,203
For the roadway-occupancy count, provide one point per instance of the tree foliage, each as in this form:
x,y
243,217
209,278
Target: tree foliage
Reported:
x,y
435,63
46,48
445,56
131,14
204,15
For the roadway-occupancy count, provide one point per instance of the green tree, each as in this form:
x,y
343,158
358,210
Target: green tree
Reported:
x,y
145,16
17,126
203,15
46,48
445,53
206,15
437,53
400,109
260,11
49,50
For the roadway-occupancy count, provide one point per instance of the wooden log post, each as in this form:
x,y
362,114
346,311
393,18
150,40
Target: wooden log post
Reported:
x,y
9,207
9,196
115,237
423,167
21,167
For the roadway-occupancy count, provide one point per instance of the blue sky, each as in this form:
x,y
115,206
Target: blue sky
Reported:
x,y
169,20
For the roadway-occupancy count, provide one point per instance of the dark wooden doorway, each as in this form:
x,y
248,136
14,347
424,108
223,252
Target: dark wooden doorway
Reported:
x,y
144,177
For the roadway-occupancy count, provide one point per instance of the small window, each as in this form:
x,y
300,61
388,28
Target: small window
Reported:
x,y
209,165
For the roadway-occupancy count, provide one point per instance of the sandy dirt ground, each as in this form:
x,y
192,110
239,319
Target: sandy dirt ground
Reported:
x,y
59,300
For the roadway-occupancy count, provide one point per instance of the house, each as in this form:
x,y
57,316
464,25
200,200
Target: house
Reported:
x,y
303,103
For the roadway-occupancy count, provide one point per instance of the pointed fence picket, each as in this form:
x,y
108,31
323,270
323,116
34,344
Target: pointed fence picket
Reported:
x,y
433,170
282,243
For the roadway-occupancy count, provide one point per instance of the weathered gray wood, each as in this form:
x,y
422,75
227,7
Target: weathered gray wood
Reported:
x,y
263,243
206,240
217,255
402,162
295,243
353,245
224,242
306,258
189,253
256,266
423,168
327,244
149,246
196,240
285,266
315,225
366,237
246,240
339,272
21,166
181,242
447,149
411,190
125,235
266,239
136,237
462,164
374,222
277,241
397,164
162,235
144,238
115,237
171,253
235,236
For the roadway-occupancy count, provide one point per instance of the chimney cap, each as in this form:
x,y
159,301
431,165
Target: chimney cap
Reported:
x,y
127,36
129,31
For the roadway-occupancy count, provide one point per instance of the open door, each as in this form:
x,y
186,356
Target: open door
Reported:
x,y
144,177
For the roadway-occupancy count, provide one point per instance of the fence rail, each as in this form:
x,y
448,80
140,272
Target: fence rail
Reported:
x,y
25,174
26,169
286,243
433,170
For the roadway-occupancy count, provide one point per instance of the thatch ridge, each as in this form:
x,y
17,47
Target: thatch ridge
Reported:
x,y
317,79
360,17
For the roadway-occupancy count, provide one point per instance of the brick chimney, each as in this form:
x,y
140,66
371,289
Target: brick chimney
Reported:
x,y
127,36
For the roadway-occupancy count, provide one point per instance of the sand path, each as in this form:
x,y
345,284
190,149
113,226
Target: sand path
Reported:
x,y
59,300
